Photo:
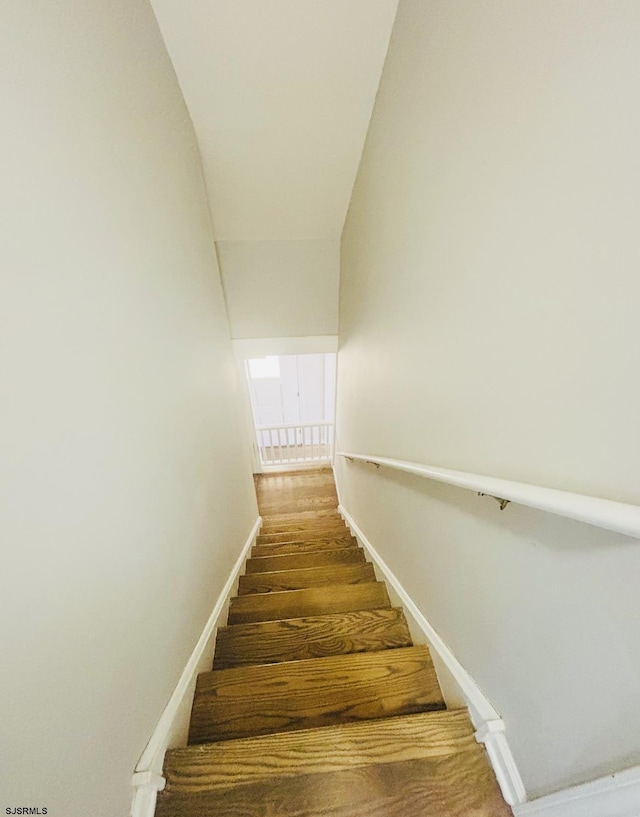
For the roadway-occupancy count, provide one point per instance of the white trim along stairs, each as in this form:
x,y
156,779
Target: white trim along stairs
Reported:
x,y
616,795
172,728
488,723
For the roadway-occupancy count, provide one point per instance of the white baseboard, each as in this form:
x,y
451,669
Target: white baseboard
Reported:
x,y
617,795
489,725
172,727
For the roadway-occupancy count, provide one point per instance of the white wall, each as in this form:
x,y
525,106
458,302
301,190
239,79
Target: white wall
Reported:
x,y
280,93
125,491
277,289
488,322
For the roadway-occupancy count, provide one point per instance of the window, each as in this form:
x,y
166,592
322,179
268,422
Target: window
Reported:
x,y
262,367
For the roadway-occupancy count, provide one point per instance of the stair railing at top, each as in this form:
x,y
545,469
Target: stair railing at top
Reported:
x,y
604,513
291,443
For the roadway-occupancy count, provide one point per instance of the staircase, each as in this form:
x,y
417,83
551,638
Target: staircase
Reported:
x,y
318,703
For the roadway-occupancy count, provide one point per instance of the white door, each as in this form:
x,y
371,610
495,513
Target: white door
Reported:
x,y
265,389
292,390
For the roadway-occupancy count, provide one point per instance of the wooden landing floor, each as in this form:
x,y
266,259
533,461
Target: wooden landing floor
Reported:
x,y
296,491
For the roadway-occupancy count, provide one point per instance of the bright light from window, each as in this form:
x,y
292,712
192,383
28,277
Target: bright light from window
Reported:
x,y
261,367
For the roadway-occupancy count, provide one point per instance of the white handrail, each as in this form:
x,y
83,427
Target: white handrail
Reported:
x,y
604,513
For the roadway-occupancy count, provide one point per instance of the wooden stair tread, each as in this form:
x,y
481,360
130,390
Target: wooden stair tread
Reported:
x,y
298,504
310,637
320,532
317,558
296,491
346,541
211,766
297,579
269,698
300,517
299,536
461,785
298,500
295,517
312,601
309,523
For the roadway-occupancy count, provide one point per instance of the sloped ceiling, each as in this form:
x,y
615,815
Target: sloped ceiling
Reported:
x,y
280,93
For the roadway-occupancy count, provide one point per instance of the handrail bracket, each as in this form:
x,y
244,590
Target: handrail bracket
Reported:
x,y
503,502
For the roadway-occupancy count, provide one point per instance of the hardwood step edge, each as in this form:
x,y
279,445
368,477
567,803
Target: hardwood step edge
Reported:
x,y
240,761
453,786
354,598
316,568
328,523
288,696
315,532
306,545
310,546
310,637
313,666
330,537
299,516
322,558
303,577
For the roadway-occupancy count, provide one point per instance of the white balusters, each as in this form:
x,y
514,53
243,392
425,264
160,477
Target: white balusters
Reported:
x,y
290,443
